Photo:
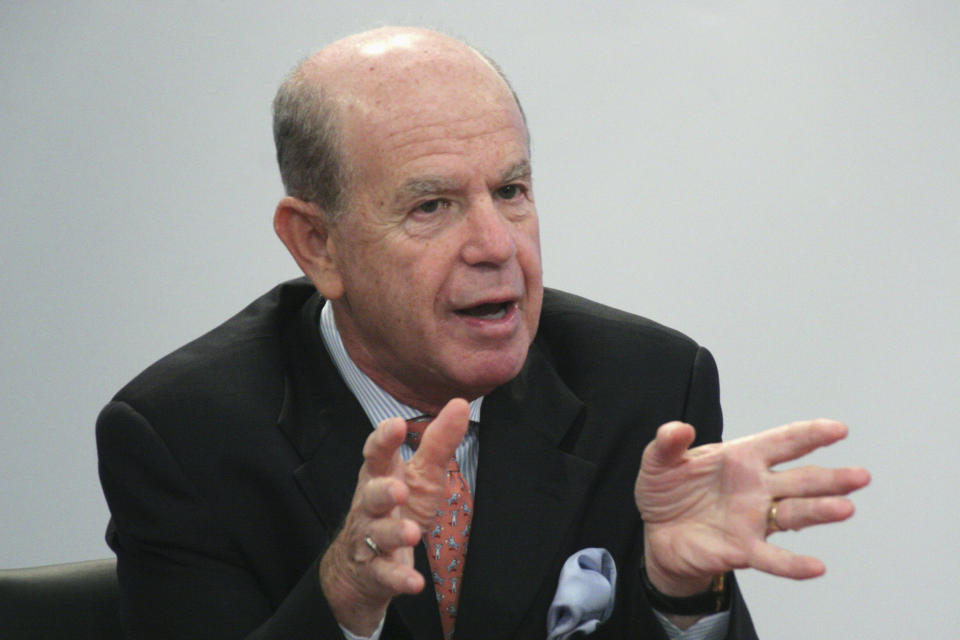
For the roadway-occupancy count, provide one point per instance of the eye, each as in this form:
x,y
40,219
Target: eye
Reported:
x,y
432,206
508,191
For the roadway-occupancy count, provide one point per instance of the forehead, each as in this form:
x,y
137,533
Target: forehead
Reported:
x,y
434,128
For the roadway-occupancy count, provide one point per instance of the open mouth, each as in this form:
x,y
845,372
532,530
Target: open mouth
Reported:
x,y
487,311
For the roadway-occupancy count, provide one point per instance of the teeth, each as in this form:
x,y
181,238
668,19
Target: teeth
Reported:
x,y
487,311
495,316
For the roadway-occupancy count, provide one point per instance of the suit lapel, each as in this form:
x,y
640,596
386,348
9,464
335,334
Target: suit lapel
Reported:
x,y
321,418
523,475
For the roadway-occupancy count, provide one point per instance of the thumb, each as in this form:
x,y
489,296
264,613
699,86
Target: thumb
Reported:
x,y
667,448
443,435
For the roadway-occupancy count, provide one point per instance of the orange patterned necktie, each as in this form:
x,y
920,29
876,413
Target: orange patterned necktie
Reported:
x,y
446,542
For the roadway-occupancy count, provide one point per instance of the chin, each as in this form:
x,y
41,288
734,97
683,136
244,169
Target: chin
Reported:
x,y
490,373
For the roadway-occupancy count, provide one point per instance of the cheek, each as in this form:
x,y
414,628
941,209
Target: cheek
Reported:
x,y
528,253
532,312
432,269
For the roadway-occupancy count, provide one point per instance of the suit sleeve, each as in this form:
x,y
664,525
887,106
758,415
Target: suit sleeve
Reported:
x,y
702,404
702,410
181,575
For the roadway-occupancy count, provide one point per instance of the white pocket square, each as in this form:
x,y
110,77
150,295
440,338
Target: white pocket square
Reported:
x,y
585,594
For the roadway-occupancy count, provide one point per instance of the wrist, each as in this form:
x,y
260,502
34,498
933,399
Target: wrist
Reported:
x,y
671,585
352,609
693,597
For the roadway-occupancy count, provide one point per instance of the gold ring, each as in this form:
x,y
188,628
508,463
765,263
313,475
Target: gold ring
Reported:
x,y
772,525
373,546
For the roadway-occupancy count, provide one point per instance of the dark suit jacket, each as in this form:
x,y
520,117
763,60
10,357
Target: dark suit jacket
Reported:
x,y
229,464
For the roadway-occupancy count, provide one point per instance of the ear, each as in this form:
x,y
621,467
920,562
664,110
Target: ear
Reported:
x,y
304,230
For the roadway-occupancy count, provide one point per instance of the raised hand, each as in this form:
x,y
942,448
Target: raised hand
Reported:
x,y
371,559
708,510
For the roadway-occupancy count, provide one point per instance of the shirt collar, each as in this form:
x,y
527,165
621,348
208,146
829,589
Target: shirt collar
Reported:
x,y
376,403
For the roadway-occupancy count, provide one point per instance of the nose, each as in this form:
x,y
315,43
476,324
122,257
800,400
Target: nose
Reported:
x,y
490,238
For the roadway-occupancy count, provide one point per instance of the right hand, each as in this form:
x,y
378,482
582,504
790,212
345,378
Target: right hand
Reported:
x,y
395,503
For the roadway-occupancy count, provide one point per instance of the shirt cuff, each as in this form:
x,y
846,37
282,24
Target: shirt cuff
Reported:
x,y
373,636
711,627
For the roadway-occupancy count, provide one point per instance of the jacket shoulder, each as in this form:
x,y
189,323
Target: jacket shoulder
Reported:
x,y
570,324
241,354
595,348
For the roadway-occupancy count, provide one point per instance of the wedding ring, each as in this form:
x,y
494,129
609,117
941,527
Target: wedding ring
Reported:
x,y
367,540
772,525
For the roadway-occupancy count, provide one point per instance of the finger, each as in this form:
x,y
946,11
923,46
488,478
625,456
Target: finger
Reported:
x,y
669,445
442,436
395,577
813,481
381,450
798,513
391,534
796,439
780,562
380,495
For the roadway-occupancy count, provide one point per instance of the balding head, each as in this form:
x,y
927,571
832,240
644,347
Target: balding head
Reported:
x,y
369,76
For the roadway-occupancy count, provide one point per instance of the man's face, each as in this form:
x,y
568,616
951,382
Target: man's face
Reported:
x,y
438,251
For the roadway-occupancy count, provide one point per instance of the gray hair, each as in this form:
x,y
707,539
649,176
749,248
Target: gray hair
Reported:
x,y
307,137
308,140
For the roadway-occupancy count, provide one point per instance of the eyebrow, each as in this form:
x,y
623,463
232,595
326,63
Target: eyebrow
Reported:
x,y
432,185
519,171
425,186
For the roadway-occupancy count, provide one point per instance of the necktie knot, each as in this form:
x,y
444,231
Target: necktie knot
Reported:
x,y
415,428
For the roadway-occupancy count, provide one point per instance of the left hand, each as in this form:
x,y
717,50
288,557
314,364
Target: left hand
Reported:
x,y
705,509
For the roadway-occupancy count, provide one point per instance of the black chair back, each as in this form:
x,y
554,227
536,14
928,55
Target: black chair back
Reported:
x,y
62,601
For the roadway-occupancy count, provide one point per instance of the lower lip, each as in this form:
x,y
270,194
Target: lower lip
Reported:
x,y
503,324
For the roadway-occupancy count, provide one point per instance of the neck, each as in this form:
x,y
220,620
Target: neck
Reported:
x,y
402,385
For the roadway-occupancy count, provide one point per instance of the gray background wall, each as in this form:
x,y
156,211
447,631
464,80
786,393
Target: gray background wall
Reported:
x,y
778,180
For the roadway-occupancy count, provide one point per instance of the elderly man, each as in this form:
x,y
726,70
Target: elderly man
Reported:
x,y
251,495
